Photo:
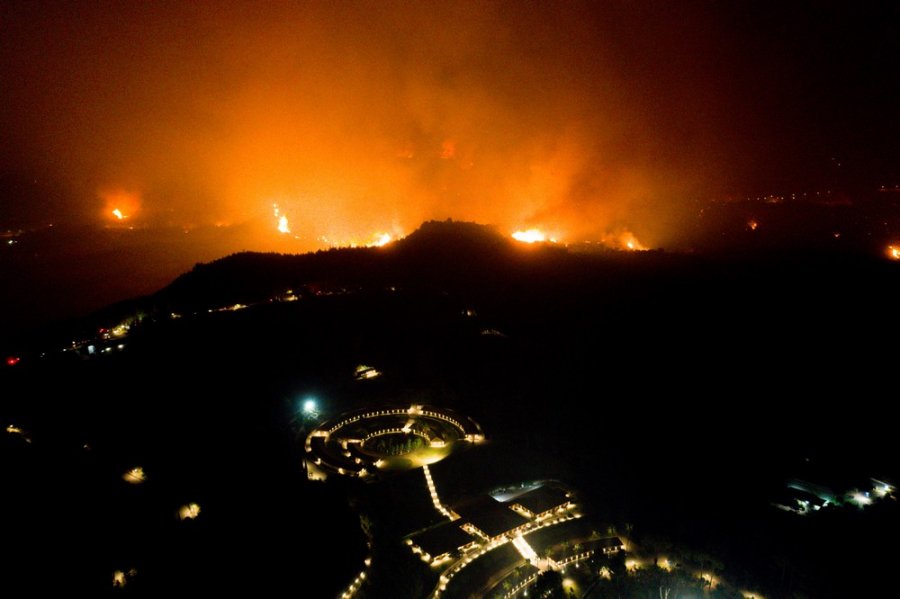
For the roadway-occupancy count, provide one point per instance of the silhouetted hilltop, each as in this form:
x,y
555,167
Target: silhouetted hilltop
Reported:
x,y
479,266
437,254
457,238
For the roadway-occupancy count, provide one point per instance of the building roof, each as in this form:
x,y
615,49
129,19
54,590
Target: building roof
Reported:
x,y
489,515
609,542
440,539
539,500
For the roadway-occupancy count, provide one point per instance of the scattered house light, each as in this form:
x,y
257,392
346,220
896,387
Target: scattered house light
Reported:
x,y
134,476
364,372
189,511
120,577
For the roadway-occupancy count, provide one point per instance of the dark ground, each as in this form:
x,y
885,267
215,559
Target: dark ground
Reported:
x,y
677,393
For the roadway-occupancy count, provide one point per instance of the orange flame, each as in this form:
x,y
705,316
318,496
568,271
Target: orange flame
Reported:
x,y
533,236
893,252
381,239
624,240
283,225
529,236
377,240
119,205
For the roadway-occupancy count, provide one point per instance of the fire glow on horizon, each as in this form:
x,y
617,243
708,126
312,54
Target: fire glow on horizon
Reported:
x,y
532,236
350,134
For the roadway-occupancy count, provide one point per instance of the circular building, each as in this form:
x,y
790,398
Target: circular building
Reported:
x,y
367,442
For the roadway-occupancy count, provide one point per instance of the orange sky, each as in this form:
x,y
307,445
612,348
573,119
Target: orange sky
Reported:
x,y
580,118
368,117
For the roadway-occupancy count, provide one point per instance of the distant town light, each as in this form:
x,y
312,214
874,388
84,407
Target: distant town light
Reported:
x,y
860,499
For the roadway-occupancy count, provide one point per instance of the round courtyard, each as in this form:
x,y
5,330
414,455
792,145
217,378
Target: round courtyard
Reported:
x,y
365,443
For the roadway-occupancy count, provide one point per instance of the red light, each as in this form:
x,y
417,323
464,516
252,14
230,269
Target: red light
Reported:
x,y
13,360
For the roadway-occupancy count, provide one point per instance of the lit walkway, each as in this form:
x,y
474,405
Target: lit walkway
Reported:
x,y
434,496
525,549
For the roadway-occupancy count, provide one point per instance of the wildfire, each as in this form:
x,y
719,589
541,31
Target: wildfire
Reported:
x,y
376,241
120,205
381,239
530,236
893,252
624,240
283,225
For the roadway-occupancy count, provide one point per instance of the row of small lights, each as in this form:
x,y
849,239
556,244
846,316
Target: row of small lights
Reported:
x,y
358,581
432,489
456,568
412,410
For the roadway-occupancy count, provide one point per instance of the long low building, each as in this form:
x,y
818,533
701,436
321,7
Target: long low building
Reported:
x,y
441,541
488,518
483,519
542,502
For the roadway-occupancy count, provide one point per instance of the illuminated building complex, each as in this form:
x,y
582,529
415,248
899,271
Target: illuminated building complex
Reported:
x,y
366,442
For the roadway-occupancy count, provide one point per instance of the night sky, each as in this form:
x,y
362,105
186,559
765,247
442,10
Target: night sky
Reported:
x,y
364,119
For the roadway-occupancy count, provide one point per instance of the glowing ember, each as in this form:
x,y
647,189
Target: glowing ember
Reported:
x,y
893,252
529,236
189,511
13,360
118,214
134,476
752,224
